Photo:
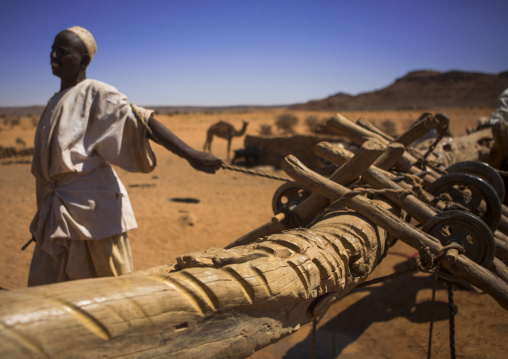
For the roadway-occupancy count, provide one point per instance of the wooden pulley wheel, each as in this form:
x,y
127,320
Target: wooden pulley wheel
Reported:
x,y
482,170
471,192
467,230
288,195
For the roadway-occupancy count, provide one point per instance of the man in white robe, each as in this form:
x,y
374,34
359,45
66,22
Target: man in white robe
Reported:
x,y
83,210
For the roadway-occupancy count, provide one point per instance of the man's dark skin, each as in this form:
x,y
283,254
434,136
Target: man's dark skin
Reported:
x,y
69,60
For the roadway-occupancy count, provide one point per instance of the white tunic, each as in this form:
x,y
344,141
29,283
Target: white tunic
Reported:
x,y
82,131
500,114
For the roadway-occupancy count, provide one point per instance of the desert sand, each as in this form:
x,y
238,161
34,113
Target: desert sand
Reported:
x,y
387,320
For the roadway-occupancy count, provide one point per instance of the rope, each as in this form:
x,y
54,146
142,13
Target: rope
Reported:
x,y
255,173
430,263
431,327
451,309
314,329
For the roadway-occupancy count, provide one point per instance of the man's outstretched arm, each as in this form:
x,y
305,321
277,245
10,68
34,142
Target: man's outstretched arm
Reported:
x,y
201,161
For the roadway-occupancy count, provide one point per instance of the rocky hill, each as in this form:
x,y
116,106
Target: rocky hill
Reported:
x,y
421,90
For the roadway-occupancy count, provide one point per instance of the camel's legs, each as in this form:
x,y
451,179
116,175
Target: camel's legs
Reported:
x,y
229,147
208,143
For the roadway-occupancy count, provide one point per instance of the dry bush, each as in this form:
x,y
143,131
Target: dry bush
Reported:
x,y
286,122
265,130
12,121
389,127
311,122
314,124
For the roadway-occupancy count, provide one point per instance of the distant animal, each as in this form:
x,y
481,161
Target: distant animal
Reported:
x,y
223,130
20,142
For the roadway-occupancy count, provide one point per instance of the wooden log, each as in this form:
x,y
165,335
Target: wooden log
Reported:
x,y
425,123
341,125
501,248
392,155
259,232
374,177
349,171
218,304
499,269
504,208
416,206
312,205
372,128
503,224
463,268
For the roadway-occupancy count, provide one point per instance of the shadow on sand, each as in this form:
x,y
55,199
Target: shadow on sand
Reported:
x,y
393,298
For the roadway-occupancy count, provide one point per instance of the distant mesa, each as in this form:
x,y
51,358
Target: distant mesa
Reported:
x,y
417,90
423,89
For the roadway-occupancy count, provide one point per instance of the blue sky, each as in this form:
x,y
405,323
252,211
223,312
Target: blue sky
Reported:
x,y
257,52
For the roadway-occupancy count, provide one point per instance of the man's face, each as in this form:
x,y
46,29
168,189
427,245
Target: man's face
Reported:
x,y
67,55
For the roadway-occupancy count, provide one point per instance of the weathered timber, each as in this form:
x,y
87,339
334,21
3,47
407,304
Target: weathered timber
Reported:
x,y
349,171
392,155
501,248
403,198
264,230
463,268
425,123
341,125
372,128
416,203
499,269
218,304
311,206
364,157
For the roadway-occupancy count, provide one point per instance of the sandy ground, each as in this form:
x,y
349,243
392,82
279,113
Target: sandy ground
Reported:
x,y
388,320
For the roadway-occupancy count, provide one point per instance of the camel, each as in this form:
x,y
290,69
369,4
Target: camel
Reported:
x,y
224,130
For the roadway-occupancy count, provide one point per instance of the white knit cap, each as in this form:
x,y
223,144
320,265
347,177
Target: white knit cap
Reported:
x,y
87,39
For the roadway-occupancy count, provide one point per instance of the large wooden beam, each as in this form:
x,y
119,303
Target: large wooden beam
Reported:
x,y
213,304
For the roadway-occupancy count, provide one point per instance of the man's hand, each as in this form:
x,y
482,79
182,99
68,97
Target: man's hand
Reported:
x,y
201,161
205,162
